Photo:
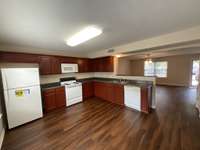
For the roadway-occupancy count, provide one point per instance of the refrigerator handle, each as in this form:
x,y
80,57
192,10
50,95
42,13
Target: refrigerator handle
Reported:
x,y
7,97
5,82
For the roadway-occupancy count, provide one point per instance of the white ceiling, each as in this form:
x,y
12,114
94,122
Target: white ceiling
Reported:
x,y
164,53
46,24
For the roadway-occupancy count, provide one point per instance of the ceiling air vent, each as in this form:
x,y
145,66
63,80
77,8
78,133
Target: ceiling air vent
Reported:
x,y
110,50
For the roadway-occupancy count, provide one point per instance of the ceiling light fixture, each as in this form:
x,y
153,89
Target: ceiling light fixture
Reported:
x,y
84,35
148,60
118,56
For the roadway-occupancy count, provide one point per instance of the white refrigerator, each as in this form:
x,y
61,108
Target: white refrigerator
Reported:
x,y
22,95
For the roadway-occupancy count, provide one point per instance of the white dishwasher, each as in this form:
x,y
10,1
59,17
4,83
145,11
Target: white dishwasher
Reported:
x,y
132,97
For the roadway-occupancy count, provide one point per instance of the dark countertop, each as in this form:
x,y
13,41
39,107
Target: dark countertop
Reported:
x,y
117,81
50,85
107,80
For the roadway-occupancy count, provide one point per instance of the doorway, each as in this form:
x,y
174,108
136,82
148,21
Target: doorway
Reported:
x,y
195,72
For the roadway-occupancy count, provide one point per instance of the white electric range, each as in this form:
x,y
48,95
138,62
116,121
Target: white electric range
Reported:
x,y
73,90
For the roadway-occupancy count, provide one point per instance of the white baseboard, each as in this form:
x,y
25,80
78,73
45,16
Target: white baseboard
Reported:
x,y
2,137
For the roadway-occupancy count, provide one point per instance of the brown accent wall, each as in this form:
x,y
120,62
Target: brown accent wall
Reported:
x,y
137,67
122,66
178,73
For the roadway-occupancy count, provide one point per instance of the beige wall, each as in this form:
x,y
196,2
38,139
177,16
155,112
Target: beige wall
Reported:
x,y
137,67
122,66
178,73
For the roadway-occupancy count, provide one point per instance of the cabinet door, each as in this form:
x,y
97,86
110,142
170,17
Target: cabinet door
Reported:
x,y
97,89
104,90
94,64
118,94
109,92
49,99
108,64
88,90
101,65
18,57
55,65
104,64
83,65
49,65
146,99
90,65
60,97
45,65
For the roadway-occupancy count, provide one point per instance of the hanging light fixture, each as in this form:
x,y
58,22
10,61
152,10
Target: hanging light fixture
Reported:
x,y
148,59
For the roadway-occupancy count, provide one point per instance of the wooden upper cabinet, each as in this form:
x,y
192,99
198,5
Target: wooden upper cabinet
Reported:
x,y
64,59
94,65
104,64
108,63
52,64
49,65
45,67
84,65
18,57
55,65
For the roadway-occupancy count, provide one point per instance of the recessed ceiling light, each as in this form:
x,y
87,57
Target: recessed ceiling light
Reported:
x,y
84,35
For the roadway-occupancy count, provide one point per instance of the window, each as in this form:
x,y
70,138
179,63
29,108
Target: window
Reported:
x,y
148,68
195,72
161,69
158,69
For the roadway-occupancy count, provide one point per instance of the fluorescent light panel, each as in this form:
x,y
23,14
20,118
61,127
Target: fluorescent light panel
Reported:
x,y
84,35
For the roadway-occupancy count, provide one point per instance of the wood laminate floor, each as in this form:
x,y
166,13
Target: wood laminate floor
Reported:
x,y
100,125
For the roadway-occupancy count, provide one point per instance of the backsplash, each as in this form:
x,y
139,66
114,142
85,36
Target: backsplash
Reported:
x,y
56,78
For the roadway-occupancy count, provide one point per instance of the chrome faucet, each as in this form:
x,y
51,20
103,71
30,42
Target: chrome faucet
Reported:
x,y
122,80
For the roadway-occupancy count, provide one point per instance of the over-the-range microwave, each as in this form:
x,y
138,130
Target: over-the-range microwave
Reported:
x,y
69,68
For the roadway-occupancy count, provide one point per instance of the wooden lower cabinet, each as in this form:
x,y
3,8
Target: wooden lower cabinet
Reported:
x,y
60,97
99,90
49,100
88,90
54,98
110,92
118,94
146,99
